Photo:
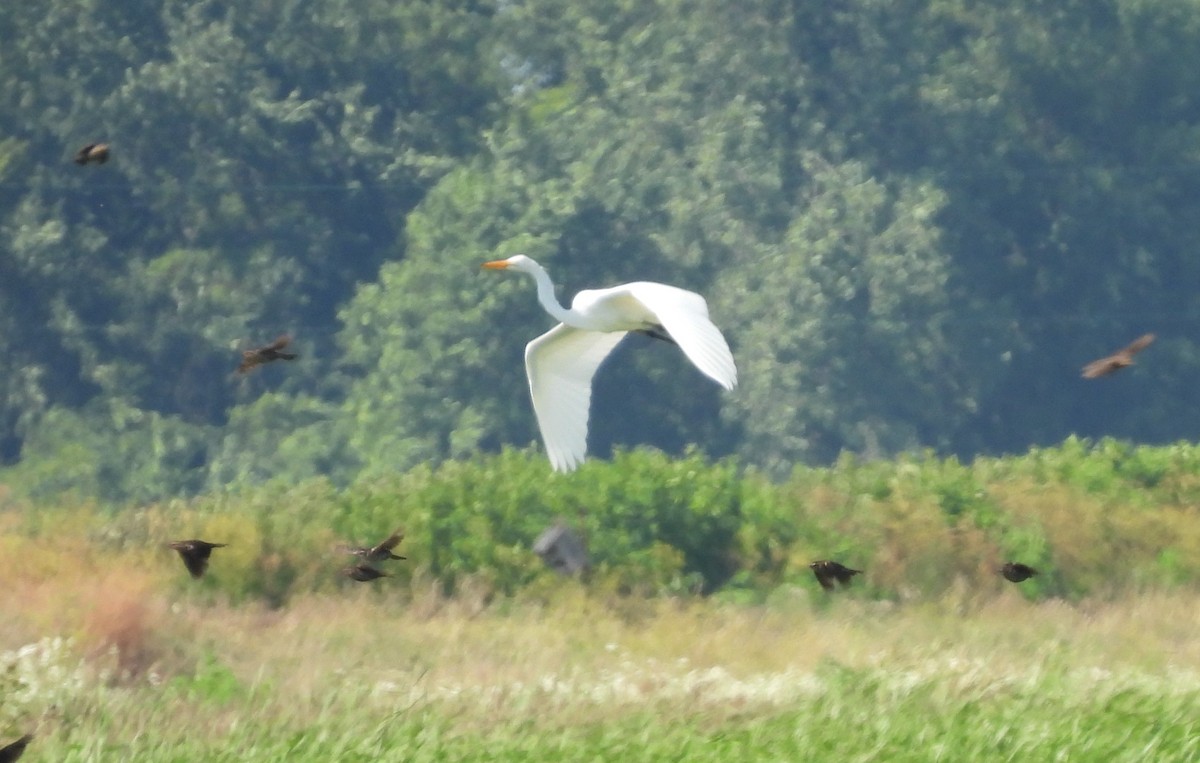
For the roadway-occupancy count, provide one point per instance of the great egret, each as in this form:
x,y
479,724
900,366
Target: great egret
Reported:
x,y
560,363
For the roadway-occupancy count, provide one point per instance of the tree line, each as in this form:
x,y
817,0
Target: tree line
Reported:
x,y
915,222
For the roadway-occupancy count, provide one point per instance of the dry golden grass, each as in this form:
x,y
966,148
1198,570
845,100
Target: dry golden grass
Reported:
x,y
426,646
173,664
138,602
275,643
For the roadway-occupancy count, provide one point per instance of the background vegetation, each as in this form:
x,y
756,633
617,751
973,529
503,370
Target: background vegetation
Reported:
x,y
153,668
915,221
1097,519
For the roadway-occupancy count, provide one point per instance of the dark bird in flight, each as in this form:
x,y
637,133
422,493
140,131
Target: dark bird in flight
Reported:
x,y
563,550
379,553
363,573
1120,359
10,752
261,355
92,152
1016,572
195,554
828,571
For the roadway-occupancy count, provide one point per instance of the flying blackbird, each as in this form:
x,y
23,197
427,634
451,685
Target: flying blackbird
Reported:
x,y
195,554
1017,572
92,152
10,752
828,571
1118,360
363,573
379,553
260,355
562,549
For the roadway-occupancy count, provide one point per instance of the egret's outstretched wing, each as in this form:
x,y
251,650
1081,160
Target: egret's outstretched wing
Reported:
x,y
684,314
560,365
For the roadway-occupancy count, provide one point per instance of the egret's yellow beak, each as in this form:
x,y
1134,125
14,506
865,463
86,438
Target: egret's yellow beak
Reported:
x,y
495,265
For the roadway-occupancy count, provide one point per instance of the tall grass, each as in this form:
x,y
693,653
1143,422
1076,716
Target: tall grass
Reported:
x,y
473,650
391,675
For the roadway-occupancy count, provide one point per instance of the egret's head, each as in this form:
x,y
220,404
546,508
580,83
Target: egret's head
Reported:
x,y
518,262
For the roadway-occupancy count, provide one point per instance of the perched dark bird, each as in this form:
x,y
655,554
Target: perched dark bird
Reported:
x,y
10,752
260,355
195,554
1120,359
828,571
363,573
378,553
1017,572
92,152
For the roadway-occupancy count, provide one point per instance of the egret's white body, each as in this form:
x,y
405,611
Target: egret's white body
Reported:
x,y
561,363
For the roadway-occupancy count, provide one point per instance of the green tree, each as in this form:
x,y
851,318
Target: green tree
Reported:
x,y
263,163
850,338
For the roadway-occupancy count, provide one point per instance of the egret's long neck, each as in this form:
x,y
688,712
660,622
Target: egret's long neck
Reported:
x,y
545,292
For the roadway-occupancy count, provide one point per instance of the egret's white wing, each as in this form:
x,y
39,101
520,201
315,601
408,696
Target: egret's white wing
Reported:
x,y
684,314
560,365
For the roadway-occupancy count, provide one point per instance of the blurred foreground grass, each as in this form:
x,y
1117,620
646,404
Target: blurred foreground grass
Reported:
x,y
145,672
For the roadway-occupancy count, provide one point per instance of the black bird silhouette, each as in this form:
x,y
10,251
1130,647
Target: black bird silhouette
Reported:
x,y
1017,572
92,152
363,573
10,752
381,552
195,554
828,571
260,355
1122,358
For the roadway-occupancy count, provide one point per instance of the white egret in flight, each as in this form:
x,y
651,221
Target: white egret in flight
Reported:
x,y
560,363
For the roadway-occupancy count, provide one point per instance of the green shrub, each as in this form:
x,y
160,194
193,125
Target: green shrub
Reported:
x,y
659,525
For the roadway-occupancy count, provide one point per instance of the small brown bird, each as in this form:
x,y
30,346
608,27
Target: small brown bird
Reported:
x,y
363,573
92,152
195,554
379,553
1120,359
1017,572
261,355
828,571
10,752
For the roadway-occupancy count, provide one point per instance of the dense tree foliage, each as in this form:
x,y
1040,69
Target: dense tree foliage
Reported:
x,y
914,220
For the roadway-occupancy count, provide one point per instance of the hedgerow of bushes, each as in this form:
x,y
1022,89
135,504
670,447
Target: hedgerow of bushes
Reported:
x,y
1093,517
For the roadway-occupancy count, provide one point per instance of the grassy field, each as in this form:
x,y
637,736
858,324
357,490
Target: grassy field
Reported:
x,y
109,651
142,669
